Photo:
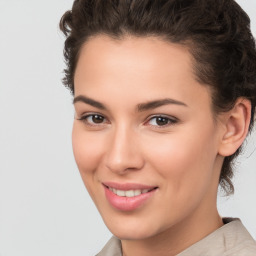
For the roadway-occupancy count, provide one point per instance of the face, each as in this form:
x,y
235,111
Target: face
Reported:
x,y
144,137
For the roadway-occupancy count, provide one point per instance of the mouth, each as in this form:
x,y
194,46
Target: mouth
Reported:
x,y
128,197
130,193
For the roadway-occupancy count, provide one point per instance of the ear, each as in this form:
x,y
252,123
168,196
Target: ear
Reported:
x,y
236,124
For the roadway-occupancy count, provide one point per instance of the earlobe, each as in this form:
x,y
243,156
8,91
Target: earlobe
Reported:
x,y
236,124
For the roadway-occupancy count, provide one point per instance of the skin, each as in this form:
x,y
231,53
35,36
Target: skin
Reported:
x,y
182,158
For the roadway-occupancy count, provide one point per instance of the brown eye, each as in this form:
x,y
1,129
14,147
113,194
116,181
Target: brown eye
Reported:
x,y
97,119
93,119
162,121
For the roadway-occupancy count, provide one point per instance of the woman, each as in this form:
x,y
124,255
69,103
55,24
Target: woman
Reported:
x,y
164,96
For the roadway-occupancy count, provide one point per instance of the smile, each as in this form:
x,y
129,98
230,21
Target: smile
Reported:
x,y
128,197
129,193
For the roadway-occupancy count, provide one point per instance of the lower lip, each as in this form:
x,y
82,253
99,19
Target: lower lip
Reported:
x,y
123,203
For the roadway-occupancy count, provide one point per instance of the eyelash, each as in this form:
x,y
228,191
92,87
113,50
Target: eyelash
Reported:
x,y
171,121
84,119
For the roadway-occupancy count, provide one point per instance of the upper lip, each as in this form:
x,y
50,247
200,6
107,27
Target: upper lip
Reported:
x,y
127,186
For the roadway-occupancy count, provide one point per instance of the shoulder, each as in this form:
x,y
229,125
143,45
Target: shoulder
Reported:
x,y
244,249
239,241
232,239
112,248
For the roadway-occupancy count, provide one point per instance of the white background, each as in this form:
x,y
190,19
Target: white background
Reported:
x,y
44,207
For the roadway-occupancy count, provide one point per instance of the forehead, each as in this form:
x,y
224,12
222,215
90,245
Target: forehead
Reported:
x,y
140,54
132,66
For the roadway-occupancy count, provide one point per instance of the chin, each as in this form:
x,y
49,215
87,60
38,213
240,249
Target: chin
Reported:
x,y
132,231
130,234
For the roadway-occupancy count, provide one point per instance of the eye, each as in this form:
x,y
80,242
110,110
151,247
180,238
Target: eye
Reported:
x,y
161,121
93,119
97,119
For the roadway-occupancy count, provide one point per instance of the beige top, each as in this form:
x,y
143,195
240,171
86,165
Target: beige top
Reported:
x,y
232,239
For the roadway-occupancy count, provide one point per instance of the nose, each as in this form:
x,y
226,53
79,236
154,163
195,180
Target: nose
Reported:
x,y
123,153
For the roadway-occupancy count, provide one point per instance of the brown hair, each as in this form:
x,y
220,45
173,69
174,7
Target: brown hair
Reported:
x,y
217,33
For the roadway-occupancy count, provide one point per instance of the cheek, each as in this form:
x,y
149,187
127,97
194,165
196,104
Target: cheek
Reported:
x,y
87,148
185,163
185,158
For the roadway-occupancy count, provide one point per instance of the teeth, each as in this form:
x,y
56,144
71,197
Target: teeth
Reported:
x,y
120,193
137,192
128,193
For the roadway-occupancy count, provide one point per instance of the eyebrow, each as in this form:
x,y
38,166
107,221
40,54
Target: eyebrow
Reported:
x,y
140,107
158,103
89,101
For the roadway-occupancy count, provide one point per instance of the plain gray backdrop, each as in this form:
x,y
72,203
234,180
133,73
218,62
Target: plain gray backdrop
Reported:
x,y
44,207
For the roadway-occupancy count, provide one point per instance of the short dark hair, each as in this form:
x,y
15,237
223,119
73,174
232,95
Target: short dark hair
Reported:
x,y
217,33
